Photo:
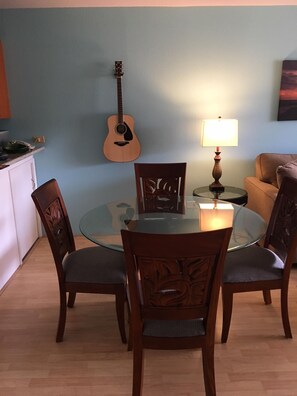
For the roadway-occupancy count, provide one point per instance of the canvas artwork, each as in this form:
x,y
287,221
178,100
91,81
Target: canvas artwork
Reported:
x,y
287,109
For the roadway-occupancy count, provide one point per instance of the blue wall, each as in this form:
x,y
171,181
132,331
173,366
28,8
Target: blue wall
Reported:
x,y
181,65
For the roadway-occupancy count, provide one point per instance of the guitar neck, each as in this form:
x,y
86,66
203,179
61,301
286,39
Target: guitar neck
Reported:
x,y
120,100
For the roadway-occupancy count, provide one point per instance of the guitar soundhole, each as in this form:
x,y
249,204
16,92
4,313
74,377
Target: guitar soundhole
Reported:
x,y
121,128
125,131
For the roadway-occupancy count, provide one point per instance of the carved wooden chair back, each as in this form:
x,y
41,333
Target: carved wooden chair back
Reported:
x,y
282,226
160,187
54,217
174,283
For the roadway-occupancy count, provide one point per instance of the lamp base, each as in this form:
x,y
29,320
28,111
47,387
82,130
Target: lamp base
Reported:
x,y
216,187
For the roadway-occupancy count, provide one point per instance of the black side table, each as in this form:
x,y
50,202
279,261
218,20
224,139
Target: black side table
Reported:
x,y
231,194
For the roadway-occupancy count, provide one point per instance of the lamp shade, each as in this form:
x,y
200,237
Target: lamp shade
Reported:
x,y
219,132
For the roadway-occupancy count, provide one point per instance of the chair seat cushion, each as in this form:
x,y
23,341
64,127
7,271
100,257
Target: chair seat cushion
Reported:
x,y
95,265
251,264
173,328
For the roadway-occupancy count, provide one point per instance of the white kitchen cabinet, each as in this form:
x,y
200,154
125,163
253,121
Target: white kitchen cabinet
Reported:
x,y
9,250
19,222
23,181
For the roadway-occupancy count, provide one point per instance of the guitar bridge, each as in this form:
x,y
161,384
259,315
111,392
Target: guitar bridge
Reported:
x,y
121,143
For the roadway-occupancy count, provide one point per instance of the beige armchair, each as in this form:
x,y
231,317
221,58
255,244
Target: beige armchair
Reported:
x,y
262,188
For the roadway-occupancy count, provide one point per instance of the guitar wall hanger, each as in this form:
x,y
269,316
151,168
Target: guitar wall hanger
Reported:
x,y
121,143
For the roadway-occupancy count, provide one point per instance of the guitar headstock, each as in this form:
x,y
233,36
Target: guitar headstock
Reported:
x,y
118,69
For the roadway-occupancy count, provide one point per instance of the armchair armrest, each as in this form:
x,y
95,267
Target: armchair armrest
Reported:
x,y
261,196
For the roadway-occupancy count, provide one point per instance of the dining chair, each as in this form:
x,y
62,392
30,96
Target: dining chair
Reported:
x,y
88,270
160,187
174,282
266,268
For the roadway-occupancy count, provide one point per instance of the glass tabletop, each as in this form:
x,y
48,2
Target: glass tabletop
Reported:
x,y
102,225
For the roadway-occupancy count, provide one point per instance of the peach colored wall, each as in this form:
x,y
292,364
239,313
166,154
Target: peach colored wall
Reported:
x,y
139,3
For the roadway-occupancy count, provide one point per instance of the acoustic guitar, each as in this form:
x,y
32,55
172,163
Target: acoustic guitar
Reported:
x,y
121,143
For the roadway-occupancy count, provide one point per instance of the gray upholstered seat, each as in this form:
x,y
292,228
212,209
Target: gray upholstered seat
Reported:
x,y
252,264
104,264
174,328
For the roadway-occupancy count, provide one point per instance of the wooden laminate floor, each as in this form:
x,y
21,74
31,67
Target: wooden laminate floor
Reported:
x,y
257,360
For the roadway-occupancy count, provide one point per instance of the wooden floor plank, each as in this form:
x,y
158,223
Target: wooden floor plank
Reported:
x,y
257,360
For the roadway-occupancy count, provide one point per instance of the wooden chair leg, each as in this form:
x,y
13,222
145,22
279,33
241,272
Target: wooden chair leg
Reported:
x,y
208,370
285,313
137,368
267,296
227,299
129,319
71,299
130,341
62,316
120,300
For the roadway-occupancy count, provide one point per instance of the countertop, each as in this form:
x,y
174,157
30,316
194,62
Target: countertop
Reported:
x,y
13,158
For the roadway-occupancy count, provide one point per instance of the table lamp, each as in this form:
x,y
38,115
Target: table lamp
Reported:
x,y
219,132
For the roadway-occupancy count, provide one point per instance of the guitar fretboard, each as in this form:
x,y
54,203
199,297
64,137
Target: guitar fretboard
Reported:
x,y
120,100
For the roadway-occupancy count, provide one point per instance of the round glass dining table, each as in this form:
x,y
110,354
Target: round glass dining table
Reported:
x,y
102,225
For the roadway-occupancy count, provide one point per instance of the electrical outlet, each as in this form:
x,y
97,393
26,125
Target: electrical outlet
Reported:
x,y
39,139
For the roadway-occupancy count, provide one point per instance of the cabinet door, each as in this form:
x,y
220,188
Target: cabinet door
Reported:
x,y
23,180
9,252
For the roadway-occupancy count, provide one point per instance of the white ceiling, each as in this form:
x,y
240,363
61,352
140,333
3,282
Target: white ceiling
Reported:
x,y
139,3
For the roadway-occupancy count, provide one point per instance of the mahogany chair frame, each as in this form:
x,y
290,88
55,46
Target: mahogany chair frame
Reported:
x,y
52,210
174,282
160,187
281,238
